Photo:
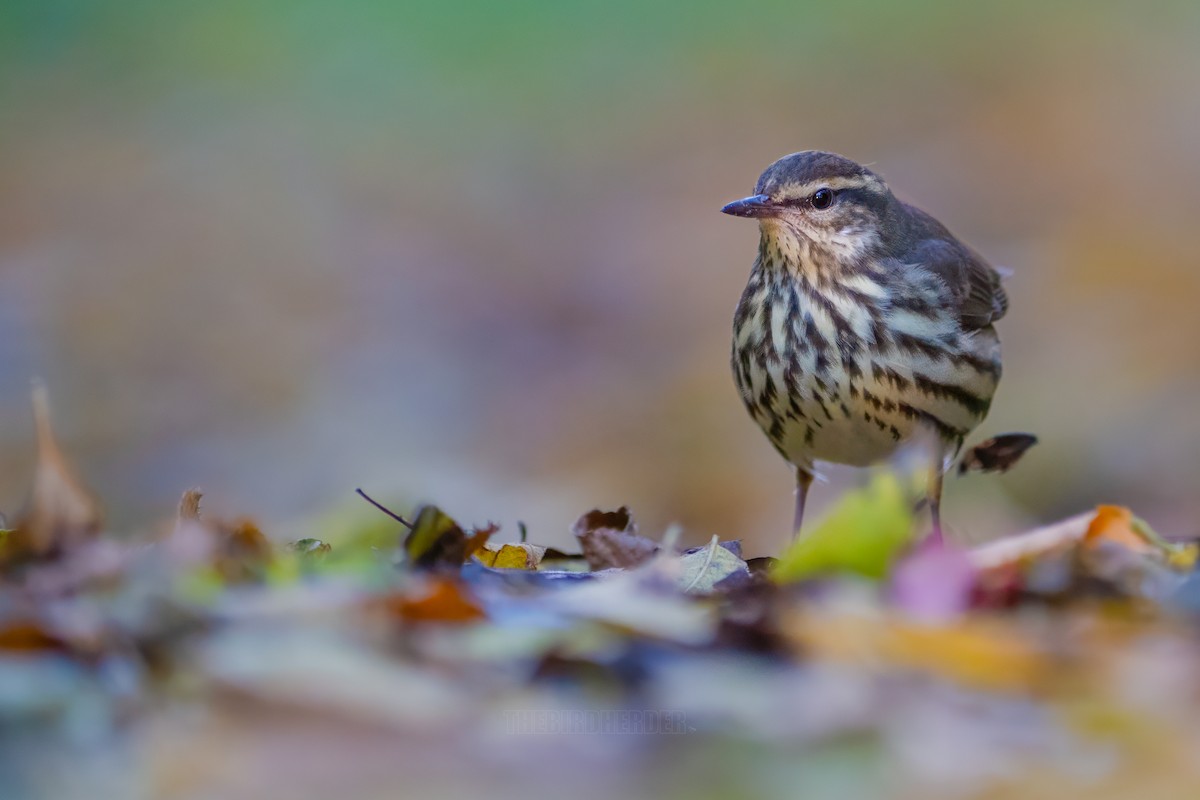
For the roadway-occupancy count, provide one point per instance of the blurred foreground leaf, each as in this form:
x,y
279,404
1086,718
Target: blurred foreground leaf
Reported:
x,y
933,583
863,534
25,636
440,600
1115,525
643,602
982,653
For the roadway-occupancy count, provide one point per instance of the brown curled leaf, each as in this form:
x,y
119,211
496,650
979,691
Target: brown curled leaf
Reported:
x,y
611,539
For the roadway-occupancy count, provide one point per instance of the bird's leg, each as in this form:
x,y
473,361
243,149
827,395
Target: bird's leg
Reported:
x,y
804,479
935,498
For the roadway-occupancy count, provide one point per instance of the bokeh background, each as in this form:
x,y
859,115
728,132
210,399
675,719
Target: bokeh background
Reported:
x,y
471,253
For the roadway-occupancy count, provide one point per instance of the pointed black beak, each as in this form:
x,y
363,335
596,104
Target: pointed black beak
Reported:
x,y
755,206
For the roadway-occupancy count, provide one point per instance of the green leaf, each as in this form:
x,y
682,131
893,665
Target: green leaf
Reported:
x,y
310,548
863,534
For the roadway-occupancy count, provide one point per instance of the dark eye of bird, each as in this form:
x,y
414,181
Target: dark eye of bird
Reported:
x,y
821,199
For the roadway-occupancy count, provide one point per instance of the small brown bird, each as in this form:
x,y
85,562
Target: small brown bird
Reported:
x,y
864,321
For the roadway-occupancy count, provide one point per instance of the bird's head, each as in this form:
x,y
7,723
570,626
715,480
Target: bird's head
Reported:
x,y
819,198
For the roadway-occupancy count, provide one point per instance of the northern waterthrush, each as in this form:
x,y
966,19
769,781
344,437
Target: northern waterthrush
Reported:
x,y
864,322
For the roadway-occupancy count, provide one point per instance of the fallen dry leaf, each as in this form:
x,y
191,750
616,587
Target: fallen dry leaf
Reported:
x,y
242,550
61,513
437,543
1024,547
26,637
478,539
610,539
708,566
1118,524
238,550
983,653
511,556
933,583
1111,524
439,600
645,601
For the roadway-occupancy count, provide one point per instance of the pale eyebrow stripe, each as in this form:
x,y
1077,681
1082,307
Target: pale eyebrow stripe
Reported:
x,y
838,184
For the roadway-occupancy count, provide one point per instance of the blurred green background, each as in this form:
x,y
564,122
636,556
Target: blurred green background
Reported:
x,y
471,252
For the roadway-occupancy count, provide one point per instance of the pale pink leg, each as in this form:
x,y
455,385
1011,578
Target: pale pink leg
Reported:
x,y
803,481
935,500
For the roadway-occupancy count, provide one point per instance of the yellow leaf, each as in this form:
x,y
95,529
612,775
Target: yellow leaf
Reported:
x,y
511,556
1184,556
983,653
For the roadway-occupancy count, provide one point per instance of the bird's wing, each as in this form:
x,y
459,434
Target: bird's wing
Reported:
x,y
974,284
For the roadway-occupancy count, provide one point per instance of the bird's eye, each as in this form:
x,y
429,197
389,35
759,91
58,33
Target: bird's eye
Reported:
x,y
821,199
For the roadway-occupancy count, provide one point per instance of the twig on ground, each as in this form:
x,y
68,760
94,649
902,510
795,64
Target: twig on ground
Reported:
x,y
384,509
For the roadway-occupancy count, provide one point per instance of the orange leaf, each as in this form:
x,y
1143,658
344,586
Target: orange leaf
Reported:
x,y
242,551
1115,524
478,538
28,636
443,600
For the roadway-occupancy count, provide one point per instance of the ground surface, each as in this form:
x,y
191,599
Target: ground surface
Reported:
x,y
419,658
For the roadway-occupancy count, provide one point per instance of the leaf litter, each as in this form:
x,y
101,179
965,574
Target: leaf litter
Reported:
x,y
437,658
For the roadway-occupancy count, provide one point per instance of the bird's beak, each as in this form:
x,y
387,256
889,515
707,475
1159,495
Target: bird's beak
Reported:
x,y
756,206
